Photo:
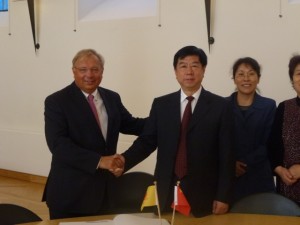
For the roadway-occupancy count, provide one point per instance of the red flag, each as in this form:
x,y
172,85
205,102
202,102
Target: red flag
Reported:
x,y
180,202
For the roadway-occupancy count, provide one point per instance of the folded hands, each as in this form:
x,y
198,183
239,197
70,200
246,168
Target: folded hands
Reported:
x,y
289,175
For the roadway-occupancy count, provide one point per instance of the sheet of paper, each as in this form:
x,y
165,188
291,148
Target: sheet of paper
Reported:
x,y
124,219
127,219
98,222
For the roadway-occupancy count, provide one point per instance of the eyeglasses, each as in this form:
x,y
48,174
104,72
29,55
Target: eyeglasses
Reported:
x,y
84,70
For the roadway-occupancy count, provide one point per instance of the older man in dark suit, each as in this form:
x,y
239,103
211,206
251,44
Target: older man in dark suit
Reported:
x,y
82,125
206,168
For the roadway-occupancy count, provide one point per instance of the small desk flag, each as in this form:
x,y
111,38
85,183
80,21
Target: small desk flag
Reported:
x,y
180,203
150,198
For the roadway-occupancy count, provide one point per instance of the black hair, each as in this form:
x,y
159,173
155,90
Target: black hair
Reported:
x,y
248,61
187,51
294,61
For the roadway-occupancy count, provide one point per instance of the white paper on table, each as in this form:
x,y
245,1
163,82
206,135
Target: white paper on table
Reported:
x,y
123,219
98,222
127,219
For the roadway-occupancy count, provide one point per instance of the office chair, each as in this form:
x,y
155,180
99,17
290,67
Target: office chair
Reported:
x,y
129,192
11,214
266,203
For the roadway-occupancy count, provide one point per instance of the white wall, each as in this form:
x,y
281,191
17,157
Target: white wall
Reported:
x,y
138,56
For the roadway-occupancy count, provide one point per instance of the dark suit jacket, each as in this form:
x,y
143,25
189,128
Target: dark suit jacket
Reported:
x,y
252,130
209,146
76,143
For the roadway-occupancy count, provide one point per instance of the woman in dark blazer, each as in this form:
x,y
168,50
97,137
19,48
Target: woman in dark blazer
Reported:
x,y
253,120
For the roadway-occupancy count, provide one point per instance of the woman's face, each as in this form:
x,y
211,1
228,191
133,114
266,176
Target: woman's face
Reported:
x,y
296,79
246,79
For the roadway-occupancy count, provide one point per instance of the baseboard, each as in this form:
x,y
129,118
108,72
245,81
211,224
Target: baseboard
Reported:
x,y
23,176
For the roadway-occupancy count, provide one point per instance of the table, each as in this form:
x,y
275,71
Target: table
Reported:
x,y
226,219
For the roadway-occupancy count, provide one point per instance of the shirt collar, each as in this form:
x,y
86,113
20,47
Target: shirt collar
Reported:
x,y
195,95
95,94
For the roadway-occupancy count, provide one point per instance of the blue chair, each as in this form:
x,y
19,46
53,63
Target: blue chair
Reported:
x,y
266,203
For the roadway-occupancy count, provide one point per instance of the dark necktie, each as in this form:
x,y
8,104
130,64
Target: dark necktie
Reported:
x,y
93,107
181,161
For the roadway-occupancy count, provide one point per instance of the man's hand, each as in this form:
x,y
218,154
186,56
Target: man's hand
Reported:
x,y
220,208
114,163
120,163
240,168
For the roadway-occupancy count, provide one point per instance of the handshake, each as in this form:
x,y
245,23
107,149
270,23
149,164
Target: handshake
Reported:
x,y
114,163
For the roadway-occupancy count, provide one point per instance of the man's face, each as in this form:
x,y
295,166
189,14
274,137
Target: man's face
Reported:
x,y
189,73
88,73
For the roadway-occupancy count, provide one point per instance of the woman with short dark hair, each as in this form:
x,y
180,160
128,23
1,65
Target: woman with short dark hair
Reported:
x,y
284,142
253,121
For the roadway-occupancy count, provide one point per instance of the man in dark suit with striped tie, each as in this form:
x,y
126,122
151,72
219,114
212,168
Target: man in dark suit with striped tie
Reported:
x,y
205,168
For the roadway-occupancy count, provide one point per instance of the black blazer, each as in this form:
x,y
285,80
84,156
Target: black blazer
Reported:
x,y
76,143
210,150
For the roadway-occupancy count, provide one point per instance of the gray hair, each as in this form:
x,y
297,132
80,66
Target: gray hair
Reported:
x,y
88,52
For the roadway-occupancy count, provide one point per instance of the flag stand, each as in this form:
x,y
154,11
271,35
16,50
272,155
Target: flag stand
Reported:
x,y
151,199
157,203
175,202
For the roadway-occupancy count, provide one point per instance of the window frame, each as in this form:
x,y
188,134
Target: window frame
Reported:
x,y
3,5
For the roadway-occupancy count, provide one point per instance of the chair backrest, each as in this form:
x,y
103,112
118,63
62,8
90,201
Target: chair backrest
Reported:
x,y
266,203
129,192
11,214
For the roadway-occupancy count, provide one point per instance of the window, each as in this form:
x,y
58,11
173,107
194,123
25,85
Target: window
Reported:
x,y
91,10
3,5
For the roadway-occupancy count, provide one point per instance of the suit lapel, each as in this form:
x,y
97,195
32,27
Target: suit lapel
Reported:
x,y
109,111
84,109
79,99
174,118
201,108
176,114
250,111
